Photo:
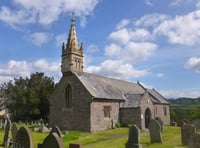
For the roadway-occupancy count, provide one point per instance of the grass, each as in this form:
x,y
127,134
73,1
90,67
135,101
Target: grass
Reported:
x,y
112,138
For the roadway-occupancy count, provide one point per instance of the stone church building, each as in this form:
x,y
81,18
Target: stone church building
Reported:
x,y
90,102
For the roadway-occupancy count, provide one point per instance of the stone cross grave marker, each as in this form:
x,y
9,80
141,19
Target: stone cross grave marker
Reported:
x,y
187,132
57,130
154,129
23,139
14,131
6,138
133,138
52,141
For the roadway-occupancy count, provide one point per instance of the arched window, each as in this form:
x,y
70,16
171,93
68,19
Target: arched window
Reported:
x,y
68,97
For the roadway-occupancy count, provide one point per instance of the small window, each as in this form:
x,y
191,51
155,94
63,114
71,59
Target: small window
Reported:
x,y
68,97
165,110
107,110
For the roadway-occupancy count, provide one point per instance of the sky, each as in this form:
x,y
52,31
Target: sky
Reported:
x,y
155,42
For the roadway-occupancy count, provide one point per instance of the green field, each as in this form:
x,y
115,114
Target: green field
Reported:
x,y
115,138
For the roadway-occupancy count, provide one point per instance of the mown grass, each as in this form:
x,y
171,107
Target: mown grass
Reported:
x,y
115,138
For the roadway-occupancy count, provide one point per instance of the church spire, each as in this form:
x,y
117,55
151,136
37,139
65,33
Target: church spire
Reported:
x,y
72,54
72,37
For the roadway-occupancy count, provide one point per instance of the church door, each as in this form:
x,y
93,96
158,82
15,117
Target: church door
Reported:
x,y
147,117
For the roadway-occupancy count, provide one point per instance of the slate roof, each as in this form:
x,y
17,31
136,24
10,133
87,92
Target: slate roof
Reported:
x,y
101,87
107,88
157,97
132,100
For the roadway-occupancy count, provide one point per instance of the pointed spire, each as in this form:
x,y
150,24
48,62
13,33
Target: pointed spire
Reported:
x,y
72,37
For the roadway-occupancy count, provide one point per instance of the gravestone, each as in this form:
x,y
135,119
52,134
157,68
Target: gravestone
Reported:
x,y
187,132
43,129
52,141
7,135
161,123
57,130
154,129
133,138
23,138
1,123
196,141
14,131
180,123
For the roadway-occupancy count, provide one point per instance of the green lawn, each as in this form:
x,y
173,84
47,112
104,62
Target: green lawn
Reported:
x,y
113,138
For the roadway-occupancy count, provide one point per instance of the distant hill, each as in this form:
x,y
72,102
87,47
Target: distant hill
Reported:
x,y
185,109
184,100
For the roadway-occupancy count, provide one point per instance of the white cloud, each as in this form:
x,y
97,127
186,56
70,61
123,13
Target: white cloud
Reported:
x,y
45,66
16,18
159,75
121,36
92,49
14,69
193,63
44,13
179,93
150,2
184,30
151,20
113,50
123,23
117,69
198,4
60,39
40,38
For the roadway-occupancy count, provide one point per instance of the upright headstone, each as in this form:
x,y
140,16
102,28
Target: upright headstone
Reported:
x,y
133,138
1,123
52,141
14,131
57,130
187,132
161,123
180,123
7,135
154,129
24,138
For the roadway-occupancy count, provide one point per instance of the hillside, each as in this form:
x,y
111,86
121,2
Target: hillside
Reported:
x,y
184,109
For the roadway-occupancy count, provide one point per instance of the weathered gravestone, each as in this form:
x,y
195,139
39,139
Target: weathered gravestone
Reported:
x,y
43,129
196,141
154,129
161,123
52,141
57,130
180,123
14,131
23,139
7,135
187,132
133,138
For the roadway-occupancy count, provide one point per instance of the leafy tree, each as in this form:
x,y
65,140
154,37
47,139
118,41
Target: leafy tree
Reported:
x,y
28,97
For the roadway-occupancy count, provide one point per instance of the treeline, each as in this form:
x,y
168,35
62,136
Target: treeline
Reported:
x,y
185,109
27,98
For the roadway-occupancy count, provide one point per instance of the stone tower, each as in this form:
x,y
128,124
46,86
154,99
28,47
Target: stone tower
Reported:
x,y
72,54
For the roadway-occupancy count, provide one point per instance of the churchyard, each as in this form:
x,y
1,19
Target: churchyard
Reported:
x,y
114,138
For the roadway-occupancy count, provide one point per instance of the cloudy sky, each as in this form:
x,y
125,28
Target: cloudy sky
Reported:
x,y
156,42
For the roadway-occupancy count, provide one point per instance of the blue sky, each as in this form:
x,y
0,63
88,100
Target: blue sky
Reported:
x,y
152,41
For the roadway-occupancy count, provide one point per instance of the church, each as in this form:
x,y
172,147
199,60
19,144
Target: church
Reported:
x,y
89,102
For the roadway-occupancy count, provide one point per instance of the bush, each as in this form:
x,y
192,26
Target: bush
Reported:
x,y
117,124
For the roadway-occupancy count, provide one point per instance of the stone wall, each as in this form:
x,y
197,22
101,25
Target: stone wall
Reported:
x,y
78,116
98,120
163,112
130,116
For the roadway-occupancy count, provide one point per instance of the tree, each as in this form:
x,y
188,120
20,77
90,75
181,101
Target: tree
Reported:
x,y
28,97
